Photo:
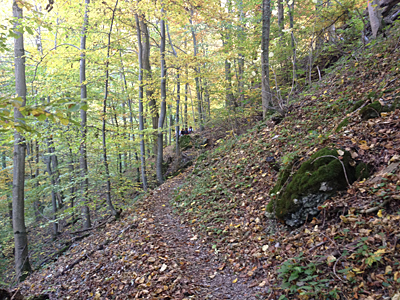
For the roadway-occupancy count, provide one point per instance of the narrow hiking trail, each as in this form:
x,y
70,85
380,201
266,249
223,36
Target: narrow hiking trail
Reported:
x,y
148,254
202,276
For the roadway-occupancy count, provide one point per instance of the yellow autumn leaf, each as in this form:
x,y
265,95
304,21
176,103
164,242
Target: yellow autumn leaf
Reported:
x,y
388,270
396,275
330,259
235,280
364,146
379,214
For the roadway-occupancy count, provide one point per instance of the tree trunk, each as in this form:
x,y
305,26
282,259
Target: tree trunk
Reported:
x,y
170,125
375,17
197,79
293,44
163,107
141,123
83,146
230,100
22,265
266,90
53,187
241,38
178,99
71,178
148,78
186,99
37,203
113,211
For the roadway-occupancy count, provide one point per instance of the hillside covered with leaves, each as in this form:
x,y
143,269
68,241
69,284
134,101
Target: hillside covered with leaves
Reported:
x,y
208,233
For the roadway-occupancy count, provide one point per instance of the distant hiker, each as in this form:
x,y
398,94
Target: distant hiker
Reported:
x,y
186,131
190,130
182,131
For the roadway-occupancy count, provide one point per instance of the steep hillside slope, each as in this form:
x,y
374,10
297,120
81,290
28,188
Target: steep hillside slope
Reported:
x,y
350,251
225,245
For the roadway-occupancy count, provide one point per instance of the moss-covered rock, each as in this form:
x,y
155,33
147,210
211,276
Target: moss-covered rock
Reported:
x,y
375,109
363,171
357,105
283,176
317,179
371,111
342,124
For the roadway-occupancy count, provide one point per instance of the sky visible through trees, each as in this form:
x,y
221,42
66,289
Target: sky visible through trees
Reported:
x,y
108,82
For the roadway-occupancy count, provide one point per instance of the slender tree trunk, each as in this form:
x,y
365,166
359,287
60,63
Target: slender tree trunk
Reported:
x,y
230,101
53,187
281,17
37,203
83,165
266,90
54,172
163,108
148,77
22,265
207,98
241,38
113,211
293,43
124,163
178,99
197,79
141,123
186,99
71,178
170,125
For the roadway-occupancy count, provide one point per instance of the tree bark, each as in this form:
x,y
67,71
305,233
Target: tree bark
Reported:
x,y
178,99
148,78
113,211
291,24
22,265
141,123
197,79
83,146
266,90
375,17
241,55
230,100
53,188
163,108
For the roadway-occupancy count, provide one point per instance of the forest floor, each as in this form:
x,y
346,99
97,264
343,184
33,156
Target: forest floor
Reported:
x,y
205,234
150,253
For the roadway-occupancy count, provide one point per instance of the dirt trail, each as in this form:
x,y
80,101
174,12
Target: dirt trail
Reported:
x,y
201,277
148,254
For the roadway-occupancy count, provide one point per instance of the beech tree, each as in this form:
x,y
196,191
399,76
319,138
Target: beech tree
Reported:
x,y
163,106
83,152
266,94
141,119
22,265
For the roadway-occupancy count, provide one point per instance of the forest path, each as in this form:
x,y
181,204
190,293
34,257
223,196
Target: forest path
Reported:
x,y
201,274
148,254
